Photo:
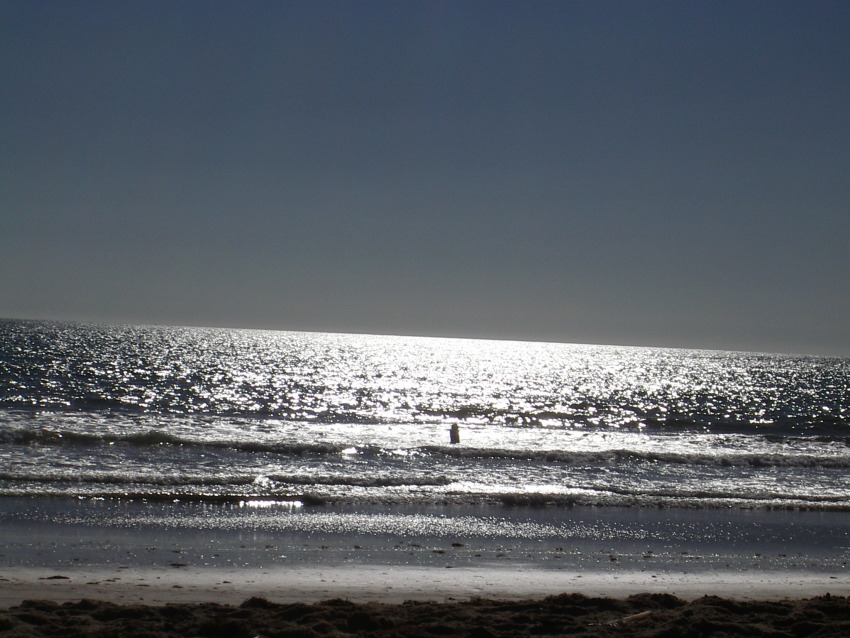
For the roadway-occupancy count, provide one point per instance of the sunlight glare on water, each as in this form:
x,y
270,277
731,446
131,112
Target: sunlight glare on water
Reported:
x,y
132,411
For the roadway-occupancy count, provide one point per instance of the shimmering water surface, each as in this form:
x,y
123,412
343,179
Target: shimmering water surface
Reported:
x,y
230,416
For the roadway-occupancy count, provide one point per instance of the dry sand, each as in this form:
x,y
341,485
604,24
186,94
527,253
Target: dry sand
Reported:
x,y
367,583
370,601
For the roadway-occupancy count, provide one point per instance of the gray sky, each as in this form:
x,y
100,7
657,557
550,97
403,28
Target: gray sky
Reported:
x,y
647,173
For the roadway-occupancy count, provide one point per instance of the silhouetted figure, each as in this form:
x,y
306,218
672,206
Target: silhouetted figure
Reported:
x,y
454,433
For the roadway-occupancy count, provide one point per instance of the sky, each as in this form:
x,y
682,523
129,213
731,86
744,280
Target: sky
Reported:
x,y
616,172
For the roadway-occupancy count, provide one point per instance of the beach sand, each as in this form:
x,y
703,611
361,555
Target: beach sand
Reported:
x,y
368,583
567,614
367,600
132,578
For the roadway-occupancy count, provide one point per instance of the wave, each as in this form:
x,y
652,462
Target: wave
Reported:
x,y
617,456
584,416
320,495
264,484
257,408
158,438
718,495
154,438
695,500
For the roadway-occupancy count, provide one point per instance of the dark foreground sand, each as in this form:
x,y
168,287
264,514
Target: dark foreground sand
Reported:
x,y
565,614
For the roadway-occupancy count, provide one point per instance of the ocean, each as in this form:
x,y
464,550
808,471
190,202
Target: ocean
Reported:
x,y
208,429
100,411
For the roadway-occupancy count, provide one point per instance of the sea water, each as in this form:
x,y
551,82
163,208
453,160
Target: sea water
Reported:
x,y
326,433
191,413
